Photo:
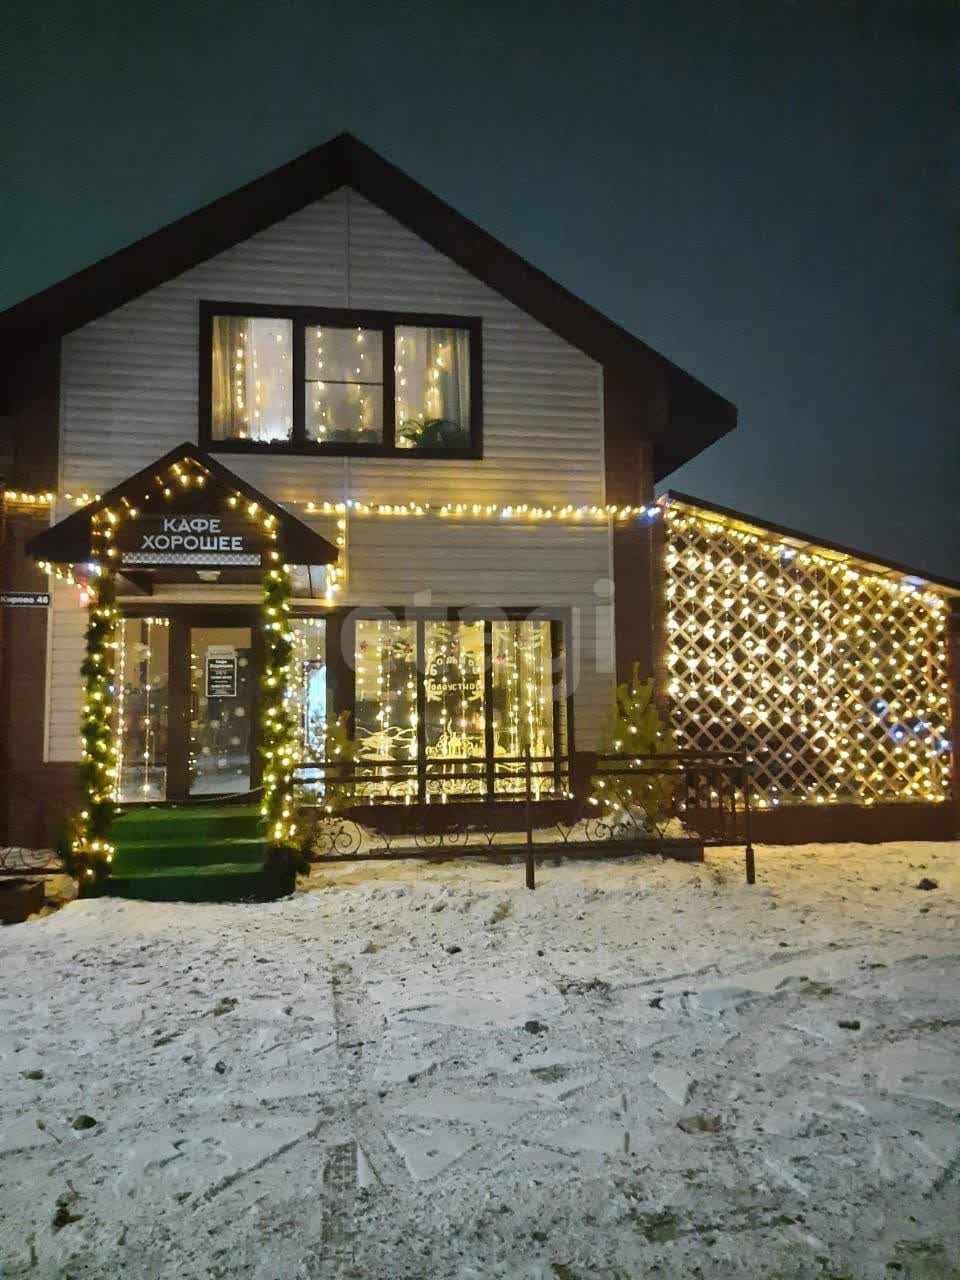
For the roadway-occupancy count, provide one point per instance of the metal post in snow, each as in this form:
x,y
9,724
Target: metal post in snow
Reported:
x,y
528,816
751,863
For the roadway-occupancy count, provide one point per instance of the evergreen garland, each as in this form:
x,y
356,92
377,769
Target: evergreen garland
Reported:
x,y
278,730
90,848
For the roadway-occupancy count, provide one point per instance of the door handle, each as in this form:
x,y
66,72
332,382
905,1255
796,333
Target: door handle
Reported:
x,y
194,705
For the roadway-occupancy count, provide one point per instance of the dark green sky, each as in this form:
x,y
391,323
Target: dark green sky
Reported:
x,y
760,190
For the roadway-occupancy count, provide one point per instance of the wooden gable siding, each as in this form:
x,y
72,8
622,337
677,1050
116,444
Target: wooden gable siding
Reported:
x,y
129,380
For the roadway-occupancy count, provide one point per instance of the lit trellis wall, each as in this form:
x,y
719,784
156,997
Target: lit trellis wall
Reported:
x,y
835,678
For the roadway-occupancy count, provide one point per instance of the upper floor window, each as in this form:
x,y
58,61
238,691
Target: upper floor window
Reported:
x,y
307,381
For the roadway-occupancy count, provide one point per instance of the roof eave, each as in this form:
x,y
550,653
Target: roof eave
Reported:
x,y
796,538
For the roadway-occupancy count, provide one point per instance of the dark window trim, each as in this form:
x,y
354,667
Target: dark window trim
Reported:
x,y
384,321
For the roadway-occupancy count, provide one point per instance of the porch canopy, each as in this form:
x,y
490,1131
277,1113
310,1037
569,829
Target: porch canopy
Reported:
x,y
183,518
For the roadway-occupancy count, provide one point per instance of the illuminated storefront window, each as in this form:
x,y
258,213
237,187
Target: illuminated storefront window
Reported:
x,y
523,701
454,726
309,691
386,698
440,665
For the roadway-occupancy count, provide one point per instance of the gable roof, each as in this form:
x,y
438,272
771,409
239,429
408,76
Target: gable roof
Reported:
x,y
345,161
69,540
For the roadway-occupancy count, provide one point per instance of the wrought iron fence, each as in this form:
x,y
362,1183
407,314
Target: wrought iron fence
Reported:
x,y
537,806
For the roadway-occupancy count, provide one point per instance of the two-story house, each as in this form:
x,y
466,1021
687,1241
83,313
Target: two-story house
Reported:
x,y
458,454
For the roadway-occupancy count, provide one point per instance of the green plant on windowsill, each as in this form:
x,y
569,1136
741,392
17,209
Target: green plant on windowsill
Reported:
x,y
433,433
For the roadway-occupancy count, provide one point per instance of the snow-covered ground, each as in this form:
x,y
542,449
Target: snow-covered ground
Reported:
x,y
641,1069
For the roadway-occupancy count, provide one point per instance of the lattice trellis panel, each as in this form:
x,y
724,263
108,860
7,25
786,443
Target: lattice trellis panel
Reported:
x,y
834,678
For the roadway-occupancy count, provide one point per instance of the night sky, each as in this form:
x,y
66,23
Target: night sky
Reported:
x,y
765,192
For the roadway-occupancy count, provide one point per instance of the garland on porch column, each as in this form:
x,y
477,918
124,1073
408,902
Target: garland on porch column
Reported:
x,y
90,846
278,729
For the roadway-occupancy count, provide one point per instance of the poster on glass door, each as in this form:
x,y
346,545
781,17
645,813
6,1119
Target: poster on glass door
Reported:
x,y
221,671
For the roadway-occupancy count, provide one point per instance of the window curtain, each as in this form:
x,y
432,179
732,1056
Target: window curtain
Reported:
x,y
450,353
252,391
227,409
433,387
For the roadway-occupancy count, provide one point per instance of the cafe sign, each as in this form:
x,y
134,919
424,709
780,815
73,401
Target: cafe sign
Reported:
x,y
222,541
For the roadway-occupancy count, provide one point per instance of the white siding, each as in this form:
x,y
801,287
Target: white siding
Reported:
x,y
66,625
464,563
129,393
129,380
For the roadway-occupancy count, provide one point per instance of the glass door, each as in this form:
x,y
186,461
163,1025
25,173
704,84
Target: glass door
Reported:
x,y
222,710
142,708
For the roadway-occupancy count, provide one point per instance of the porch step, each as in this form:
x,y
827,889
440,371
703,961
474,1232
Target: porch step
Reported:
x,y
190,853
171,824
219,884
156,857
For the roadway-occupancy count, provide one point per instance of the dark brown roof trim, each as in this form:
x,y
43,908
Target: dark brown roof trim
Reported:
x,y
68,541
794,536
345,161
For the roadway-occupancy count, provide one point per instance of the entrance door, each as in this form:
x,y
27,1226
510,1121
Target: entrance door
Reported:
x,y
222,710
188,700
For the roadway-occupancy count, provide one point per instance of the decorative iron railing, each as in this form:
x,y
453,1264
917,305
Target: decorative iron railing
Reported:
x,y
540,806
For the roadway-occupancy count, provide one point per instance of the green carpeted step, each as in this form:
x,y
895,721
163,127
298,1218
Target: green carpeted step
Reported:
x,y
229,886
146,862
191,853
186,823
144,856
177,870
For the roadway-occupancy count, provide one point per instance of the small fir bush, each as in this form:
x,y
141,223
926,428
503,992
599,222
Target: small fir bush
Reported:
x,y
636,726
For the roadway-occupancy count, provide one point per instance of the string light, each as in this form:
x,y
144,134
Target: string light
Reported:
x,y
19,498
835,676
794,644
279,738
494,511
520,511
90,849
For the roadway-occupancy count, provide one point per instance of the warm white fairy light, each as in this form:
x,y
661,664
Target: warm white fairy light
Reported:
x,y
584,513
521,510
21,498
835,675
148,727
119,703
